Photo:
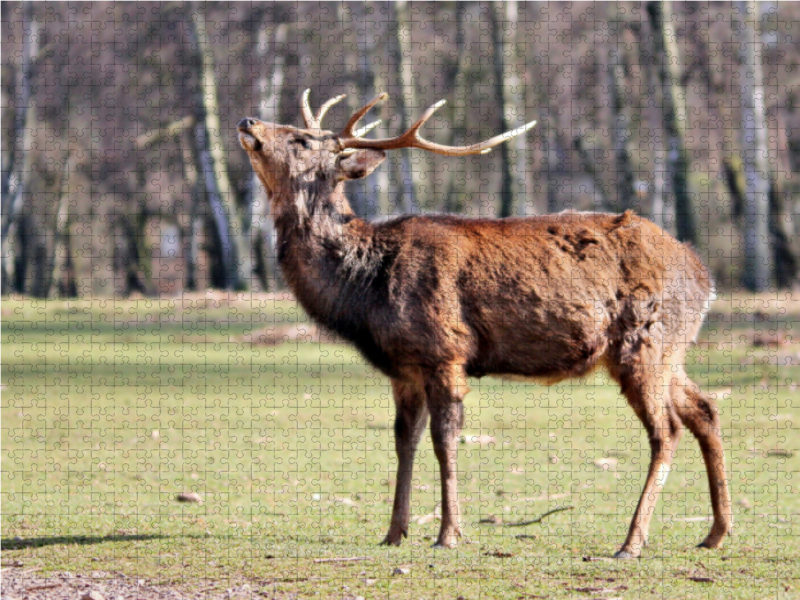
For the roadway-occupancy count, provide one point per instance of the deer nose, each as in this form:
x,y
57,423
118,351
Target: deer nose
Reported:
x,y
246,123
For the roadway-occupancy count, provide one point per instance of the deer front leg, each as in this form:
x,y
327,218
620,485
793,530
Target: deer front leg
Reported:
x,y
664,439
410,420
445,389
647,391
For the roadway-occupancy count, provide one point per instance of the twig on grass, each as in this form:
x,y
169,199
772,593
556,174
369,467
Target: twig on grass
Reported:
x,y
347,559
701,579
539,520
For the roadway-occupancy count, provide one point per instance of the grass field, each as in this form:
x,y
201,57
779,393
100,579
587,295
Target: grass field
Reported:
x,y
112,407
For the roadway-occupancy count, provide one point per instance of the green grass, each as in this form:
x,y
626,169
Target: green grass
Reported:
x,y
110,408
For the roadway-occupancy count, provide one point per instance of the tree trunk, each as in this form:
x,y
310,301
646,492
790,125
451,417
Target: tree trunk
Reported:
x,y
550,150
237,260
190,231
588,158
502,39
401,23
353,78
223,253
384,183
139,255
16,179
782,234
455,200
59,280
269,50
133,254
660,209
755,150
665,50
620,119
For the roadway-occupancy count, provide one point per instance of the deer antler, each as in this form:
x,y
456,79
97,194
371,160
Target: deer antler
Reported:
x,y
353,140
315,122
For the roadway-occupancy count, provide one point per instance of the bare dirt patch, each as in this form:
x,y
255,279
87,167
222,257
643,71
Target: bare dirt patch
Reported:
x,y
19,584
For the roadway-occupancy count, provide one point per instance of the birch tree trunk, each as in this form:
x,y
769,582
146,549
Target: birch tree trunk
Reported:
x,y
455,200
353,77
515,109
270,49
660,209
60,258
506,85
16,179
236,253
401,23
665,49
191,230
384,184
620,119
755,150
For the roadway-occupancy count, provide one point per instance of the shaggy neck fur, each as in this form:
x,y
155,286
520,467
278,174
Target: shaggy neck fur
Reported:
x,y
327,254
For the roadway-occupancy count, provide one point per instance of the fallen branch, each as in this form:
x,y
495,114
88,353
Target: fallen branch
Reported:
x,y
348,559
48,586
540,519
156,136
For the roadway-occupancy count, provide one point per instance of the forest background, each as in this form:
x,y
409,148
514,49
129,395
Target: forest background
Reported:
x,y
121,173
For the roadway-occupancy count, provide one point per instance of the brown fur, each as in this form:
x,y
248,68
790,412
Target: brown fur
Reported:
x,y
431,300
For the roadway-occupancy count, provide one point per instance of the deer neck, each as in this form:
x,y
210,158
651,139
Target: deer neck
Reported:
x,y
323,247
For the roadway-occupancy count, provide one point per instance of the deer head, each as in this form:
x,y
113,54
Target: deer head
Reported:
x,y
287,155
281,154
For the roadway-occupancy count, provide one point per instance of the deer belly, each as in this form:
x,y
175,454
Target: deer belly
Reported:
x,y
543,355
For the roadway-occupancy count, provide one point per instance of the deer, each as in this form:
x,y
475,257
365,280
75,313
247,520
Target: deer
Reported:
x,y
430,300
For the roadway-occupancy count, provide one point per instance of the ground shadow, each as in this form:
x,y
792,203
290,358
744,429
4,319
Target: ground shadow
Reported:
x,y
39,542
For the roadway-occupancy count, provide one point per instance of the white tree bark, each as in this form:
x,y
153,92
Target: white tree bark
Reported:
x,y
270,46
755,149
402,22
240,263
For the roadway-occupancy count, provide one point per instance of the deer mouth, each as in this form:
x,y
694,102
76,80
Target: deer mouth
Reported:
x,y
246,138
248,141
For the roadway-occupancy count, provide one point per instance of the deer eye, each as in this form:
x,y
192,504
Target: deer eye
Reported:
x,y
303,142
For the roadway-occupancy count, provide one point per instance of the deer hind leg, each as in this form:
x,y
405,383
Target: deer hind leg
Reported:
x,y
646,386
700,415
410,421
445,389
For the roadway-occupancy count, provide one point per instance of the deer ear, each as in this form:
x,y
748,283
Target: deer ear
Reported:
x,y
359,164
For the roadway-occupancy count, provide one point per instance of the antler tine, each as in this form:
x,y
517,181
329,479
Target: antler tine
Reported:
x,y
487,146
362,131
326,107
305,110
312,121
411,138
423,119
348,132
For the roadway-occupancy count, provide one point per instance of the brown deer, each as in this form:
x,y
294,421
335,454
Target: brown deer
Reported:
x,y
432,300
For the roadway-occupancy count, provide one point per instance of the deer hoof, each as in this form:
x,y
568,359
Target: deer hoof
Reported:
x,y
716,538
393,539
447,540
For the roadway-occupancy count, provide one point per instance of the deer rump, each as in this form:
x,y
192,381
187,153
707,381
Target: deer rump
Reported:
x,y
540,297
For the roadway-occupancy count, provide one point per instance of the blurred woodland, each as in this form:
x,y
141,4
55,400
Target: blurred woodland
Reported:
x,y
121,171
